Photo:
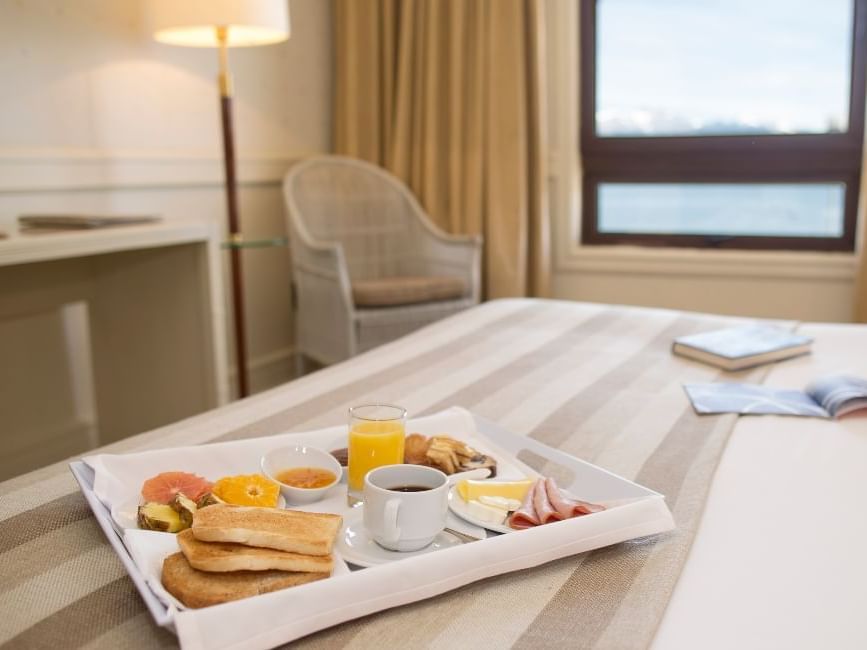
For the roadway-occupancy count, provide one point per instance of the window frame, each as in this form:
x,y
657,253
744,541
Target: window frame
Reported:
x,y
799,158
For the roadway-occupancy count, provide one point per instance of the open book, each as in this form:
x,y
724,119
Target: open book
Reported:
x,y
828,397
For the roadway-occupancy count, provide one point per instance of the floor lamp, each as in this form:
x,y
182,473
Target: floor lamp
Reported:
x,y
224,24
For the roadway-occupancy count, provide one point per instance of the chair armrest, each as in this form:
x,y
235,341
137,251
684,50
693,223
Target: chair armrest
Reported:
x,y
325,310
319,258
458,255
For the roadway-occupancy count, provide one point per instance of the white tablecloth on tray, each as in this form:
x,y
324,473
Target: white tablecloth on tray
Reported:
x,y
779,560
297,612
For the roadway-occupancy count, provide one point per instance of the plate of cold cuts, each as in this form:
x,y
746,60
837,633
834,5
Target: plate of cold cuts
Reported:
x,y
543,503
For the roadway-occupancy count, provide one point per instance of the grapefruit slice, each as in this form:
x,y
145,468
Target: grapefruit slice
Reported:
x,y
162,488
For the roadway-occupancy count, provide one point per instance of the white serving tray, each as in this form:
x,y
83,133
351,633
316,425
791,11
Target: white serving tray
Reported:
x,y
589,482
84,475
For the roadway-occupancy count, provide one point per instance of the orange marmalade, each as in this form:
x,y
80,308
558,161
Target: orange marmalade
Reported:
x,y
306,477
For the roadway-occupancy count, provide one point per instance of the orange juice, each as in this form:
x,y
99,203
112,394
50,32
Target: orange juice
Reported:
x,y
371,445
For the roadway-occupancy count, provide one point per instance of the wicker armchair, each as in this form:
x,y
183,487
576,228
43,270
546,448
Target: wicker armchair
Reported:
x,y
369,266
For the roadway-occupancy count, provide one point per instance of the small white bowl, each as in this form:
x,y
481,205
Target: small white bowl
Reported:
x,y
283,458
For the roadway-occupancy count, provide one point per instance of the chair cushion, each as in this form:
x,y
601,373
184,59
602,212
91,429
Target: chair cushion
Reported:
x,y
408,290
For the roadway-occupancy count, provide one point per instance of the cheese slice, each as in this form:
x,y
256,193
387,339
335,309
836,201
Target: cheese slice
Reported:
x,y
503,503
472,490
486,513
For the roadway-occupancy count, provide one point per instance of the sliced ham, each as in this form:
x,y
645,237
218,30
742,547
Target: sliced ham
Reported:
x,y
545,502
567,507
525,516
586,508
545,512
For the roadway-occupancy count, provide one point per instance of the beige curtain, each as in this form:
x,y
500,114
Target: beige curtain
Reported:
x,y
861,277
860,306
448,95
861,280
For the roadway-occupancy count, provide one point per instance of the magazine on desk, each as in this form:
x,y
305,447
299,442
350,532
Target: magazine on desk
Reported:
x,y
82,221
828,397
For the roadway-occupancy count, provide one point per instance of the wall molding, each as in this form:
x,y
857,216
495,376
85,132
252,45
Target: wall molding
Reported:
x,y
262,361
25,170
675,262
263,368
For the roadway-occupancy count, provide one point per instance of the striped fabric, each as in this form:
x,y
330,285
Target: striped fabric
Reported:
x,y
598,382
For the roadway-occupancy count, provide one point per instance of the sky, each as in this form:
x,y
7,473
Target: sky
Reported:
x,y
722,66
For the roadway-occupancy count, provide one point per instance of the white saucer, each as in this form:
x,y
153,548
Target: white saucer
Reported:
x,y
357,547
458,506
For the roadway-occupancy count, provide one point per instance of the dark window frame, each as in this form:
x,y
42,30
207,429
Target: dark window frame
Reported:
x,y
833,157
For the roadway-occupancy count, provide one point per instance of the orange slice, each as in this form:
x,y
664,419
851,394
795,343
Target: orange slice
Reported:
x,y
162,488
248,490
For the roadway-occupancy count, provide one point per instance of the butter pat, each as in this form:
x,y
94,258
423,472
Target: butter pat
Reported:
x,y
487,514
502,503
473,490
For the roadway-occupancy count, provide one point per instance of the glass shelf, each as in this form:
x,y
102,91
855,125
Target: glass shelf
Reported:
x,y
257,243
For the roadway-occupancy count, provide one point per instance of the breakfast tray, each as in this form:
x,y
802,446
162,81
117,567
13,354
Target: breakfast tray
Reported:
x,y
633,511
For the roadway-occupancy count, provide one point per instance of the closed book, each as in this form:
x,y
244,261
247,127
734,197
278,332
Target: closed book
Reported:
x,y
741,347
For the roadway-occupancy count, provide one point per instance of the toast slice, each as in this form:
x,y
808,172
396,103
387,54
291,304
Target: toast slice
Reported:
x,y
308,533
196,588
225,556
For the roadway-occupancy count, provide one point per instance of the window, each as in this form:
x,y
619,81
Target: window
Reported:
x,y
733,124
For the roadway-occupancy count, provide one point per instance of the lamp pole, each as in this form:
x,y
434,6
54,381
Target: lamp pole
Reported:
x,y
235,236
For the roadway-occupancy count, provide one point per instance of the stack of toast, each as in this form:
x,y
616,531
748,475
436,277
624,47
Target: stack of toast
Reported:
x,y
234,552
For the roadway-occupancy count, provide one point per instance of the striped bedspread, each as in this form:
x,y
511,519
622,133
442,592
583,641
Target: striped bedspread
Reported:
x,y
596,381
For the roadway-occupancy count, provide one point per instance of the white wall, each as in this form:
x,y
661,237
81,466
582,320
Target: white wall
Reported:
x,y
806,286
95,116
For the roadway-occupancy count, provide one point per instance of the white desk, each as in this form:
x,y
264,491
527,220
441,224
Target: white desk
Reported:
x,y
155,318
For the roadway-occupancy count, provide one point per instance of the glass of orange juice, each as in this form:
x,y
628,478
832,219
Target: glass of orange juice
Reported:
x,y
376,438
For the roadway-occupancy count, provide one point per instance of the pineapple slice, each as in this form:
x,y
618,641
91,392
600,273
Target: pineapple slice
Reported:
x,y
185,507
159,517
208,499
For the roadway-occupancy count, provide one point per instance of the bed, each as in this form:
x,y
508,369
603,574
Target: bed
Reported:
x,y
767,553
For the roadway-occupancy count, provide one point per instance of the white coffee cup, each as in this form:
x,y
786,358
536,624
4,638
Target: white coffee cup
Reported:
x,y
405,520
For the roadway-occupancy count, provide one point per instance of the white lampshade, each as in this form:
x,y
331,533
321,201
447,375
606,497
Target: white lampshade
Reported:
x,y
192,22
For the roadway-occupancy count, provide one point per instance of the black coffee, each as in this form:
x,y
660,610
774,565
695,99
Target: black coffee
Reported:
x,y
410,488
